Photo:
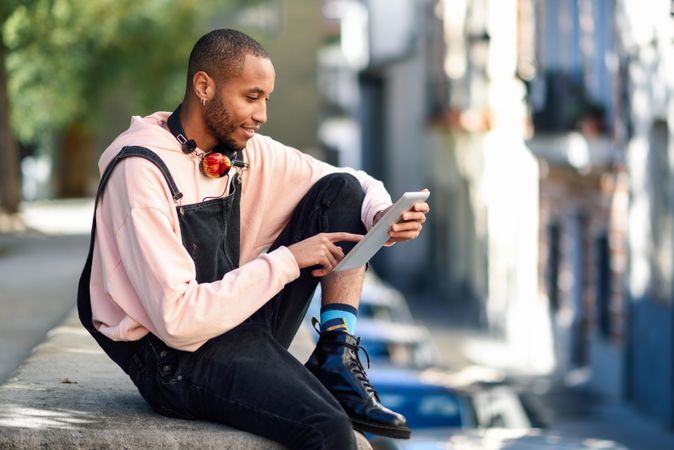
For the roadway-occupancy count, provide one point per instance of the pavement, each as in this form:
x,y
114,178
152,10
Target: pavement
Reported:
x,y
563,405
69,394
42,252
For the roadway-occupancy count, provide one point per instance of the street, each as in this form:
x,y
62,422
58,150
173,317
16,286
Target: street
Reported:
x,y
39,277
561,404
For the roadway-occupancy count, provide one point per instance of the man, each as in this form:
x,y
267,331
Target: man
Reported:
x,y
199,274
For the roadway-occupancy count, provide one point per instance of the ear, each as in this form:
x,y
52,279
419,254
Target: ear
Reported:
x,y
203,85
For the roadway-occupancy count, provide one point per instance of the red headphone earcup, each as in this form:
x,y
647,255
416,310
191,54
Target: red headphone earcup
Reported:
x,y
215,165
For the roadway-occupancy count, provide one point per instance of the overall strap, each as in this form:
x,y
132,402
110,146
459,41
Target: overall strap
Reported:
x,y
142,152
83,299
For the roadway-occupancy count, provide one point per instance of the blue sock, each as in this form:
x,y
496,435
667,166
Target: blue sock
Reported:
x,y
338,316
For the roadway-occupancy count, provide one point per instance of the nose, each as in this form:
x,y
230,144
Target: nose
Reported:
x,y
260,114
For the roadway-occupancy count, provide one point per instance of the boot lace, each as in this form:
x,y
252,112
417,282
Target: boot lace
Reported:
x,y
357,367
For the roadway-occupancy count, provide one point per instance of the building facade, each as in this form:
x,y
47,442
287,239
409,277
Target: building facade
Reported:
x,y
647,52
542,128
426,93
601,110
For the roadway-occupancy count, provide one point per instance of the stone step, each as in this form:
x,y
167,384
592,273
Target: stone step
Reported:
x,y
69,394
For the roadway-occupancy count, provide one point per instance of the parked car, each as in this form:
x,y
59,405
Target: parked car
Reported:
x,y
493,439
386,327
397,344
382,302
476,416
428,403
378,301
425,405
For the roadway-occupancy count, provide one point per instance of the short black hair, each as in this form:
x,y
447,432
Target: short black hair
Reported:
x,y
221,53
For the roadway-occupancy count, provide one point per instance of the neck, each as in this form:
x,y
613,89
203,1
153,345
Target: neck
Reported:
x,y
194,124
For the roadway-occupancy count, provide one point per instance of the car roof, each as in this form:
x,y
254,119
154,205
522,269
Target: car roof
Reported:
x,y
405,378
380,294
401,333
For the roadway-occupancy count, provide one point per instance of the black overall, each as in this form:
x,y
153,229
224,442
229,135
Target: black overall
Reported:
x,y
245,377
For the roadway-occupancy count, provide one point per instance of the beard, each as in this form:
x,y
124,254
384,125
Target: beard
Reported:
x,y
220,124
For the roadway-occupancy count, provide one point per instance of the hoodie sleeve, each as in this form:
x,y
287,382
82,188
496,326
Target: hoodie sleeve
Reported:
x,y
184,313
295,168
181,311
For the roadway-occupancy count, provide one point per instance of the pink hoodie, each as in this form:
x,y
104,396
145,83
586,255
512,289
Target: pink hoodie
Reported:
x,y
143,279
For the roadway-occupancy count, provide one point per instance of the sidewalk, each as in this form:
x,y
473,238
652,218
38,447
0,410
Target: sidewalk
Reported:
x,y
563,405
42,252
54,217
569,408
69,394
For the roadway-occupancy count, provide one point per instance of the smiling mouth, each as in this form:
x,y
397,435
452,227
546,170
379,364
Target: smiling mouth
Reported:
x,y
250,131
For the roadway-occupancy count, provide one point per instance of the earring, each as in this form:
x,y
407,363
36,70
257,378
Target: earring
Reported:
x,y
203,102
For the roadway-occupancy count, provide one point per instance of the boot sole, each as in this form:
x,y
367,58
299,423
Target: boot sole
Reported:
x,y
383,430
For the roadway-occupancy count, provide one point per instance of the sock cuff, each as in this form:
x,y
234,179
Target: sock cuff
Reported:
x,y
339,307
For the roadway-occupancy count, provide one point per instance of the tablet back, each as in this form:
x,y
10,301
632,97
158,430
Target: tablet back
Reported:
x,y
378,235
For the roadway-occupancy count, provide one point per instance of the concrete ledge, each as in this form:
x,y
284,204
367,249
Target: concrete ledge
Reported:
x,y
68,394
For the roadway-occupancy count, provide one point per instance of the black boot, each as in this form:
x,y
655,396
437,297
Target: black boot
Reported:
x,y
336,364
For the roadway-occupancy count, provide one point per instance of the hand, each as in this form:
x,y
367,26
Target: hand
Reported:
x,y
320,250
410,224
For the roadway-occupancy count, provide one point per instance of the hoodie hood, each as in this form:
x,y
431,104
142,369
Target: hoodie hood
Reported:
x,y
148,131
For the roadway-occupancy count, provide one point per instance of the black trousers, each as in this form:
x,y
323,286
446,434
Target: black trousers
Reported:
x,y
246,378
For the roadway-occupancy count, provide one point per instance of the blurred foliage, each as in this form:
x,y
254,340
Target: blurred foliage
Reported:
x,y
65,56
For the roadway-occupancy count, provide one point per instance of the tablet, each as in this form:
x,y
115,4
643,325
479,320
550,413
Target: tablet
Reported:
x,y
365,249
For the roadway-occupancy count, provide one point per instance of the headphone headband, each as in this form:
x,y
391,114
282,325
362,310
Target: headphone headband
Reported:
x,y
178,132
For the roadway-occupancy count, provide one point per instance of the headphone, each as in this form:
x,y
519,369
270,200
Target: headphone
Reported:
x,y
214,164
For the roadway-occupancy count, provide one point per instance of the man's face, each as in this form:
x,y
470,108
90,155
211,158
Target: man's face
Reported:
x,y
239,106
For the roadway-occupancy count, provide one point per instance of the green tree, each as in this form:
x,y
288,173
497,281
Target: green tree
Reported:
x,y
65,57
10,189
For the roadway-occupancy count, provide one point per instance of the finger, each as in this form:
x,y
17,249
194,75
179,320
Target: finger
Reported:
x,y
404,235
329,263
336,251
319,272
421,207
413,216
342,236
405,226
329,260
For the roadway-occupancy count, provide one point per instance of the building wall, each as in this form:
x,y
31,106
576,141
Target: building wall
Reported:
x,y
294,110
407,164
582,263
393,117
577,100
649,54
487,177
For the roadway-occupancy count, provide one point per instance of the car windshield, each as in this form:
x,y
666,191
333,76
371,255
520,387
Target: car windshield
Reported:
x,y
376,312
425,409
